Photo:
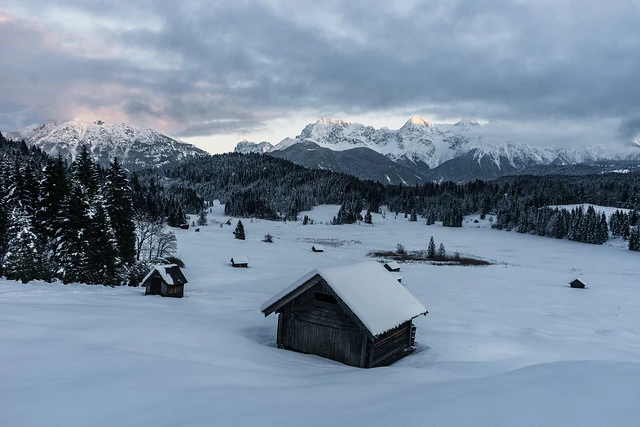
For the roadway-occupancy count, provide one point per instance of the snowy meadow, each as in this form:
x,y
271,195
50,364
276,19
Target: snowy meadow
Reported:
x,y
506,344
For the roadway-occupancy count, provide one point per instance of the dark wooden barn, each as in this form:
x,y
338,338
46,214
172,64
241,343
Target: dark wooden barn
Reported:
x,y
317,248
356,314
166,280
392,266
240,261
579,283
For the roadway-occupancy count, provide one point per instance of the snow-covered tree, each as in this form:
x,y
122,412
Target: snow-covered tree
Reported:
x,y
23,259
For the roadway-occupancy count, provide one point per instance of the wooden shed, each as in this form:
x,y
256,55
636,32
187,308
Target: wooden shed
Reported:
x,y
356,314
392,266
240,261
579,283
166,280
317,248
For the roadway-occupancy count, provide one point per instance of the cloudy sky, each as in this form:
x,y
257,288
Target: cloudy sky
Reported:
x,y
215,72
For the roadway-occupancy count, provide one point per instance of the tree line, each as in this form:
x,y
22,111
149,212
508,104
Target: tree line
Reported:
x,y
80,222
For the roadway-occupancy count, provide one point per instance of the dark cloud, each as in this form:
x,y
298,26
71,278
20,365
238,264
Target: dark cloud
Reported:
x,y
213,67
630,127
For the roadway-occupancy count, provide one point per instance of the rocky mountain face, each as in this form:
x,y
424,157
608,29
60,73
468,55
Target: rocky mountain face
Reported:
x,y
246,147
461,151
136,148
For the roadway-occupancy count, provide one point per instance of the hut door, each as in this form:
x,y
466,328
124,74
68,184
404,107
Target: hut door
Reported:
x,y
155,286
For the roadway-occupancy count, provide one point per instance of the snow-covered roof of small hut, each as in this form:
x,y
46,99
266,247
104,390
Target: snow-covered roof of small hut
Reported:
x,y
393,265
581,280
240,260
318,247
162,269
367,288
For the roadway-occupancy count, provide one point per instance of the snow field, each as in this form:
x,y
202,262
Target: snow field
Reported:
x,y
503,345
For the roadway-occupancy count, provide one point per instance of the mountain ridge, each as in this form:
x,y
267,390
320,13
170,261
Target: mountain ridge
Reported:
x,y
460,151
136,148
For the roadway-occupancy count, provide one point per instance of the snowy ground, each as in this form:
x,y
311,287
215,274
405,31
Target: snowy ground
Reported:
x,y
503,345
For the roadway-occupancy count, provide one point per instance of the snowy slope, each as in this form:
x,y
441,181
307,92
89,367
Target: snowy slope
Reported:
x,y
504,345
136,148
422,142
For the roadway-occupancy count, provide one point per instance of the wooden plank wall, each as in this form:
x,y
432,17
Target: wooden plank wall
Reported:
x,y
391,346
310,325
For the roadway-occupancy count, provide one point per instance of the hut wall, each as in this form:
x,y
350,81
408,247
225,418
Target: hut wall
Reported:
x,y
391,346
172,291
315,323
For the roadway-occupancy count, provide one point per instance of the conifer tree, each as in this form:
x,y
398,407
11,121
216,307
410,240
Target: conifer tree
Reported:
x,y
73,251
634,239
239,231
442,253
54,190
202,218
103,251
431,249
23,259
119,203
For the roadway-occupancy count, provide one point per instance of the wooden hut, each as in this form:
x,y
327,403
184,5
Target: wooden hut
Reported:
x,y
356,314
578,283
166,280
240,261
392,266
317,248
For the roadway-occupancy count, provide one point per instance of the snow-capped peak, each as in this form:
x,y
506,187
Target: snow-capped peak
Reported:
x,y
419,121
135,147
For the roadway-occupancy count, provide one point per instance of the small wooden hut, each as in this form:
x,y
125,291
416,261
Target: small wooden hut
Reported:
x,y
239,261
578,283
317,248
166,280
356,314
392,266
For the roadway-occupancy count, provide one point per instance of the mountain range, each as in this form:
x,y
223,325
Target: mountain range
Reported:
x,y
417,152
136,148
422,151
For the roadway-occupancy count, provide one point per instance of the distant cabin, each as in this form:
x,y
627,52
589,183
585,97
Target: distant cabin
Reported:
x,y
166,280
240,261
392,266
356,314
184,226
317,248
579,283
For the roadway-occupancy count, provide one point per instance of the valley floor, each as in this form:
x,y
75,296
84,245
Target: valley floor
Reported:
x,y
503,345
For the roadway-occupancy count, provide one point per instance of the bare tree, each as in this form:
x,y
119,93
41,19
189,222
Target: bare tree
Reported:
x,y
166,244
152,241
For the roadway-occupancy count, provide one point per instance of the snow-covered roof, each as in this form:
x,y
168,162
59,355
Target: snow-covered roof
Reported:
x,y
581,280
240,260
162,270
392,265
318,247
370,292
